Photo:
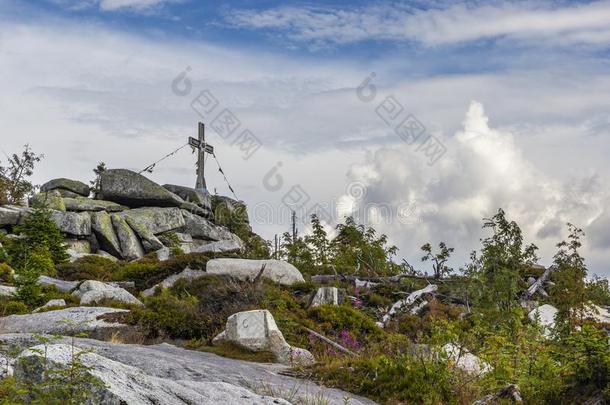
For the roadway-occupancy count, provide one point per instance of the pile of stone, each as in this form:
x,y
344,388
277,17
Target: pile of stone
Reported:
x,y
129,217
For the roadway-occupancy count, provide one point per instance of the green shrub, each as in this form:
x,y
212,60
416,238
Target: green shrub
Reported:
x,y
89,268
13,307
333,319
6,273
38,232
400,379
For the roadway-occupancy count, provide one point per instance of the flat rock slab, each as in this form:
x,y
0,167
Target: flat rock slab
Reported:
x,y
275,270
87,204
167,361
67,321
134,190
61,285
125,384
221,246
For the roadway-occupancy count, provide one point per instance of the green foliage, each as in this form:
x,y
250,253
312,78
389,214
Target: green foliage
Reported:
x,y
12,307
95,183
14,183
587,356
569,292
37,232
35,264
70,384
318,240
503,259
397,379
439,260
332,319
598,291
359,247
6,272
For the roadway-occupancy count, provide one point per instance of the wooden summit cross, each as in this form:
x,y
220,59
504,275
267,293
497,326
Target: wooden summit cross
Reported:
x,y
202,148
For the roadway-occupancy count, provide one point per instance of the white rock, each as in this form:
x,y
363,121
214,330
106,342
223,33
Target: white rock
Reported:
x,y
257,331
93,291
163,254
326,296
186,274
221,246
597,313
545,315
465,360
63,322
51,303
125,384
244,269
6,366
7,290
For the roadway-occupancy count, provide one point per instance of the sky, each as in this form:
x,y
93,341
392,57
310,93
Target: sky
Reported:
x,y
419,118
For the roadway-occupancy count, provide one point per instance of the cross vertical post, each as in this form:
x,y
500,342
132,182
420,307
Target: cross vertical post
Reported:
x,y
201,159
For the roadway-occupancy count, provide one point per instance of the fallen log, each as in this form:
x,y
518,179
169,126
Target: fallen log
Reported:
x,y
414,296
330,342
537,285
327,278
510,392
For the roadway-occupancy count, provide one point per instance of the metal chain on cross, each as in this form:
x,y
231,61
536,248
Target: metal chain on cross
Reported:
x,y
149,168
224,175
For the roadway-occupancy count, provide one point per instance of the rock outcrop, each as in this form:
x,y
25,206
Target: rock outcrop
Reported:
x,y
256,331
245,269
195,369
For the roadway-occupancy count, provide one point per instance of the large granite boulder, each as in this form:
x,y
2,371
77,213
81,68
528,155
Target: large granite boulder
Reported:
x,y
257,331
186,274
10,215
119,383
199,227
199,197
156,219
245,269
49,199
87,204
69,321
72,223
134,190
92,292
75,186
131,248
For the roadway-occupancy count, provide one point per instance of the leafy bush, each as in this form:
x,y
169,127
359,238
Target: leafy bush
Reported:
x,y
13,307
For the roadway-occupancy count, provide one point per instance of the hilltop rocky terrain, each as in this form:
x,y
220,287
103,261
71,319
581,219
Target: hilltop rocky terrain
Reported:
x,y
132,292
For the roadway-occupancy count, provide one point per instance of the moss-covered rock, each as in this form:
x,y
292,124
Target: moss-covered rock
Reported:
x,y
74,186
87,204
101,225
50,199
